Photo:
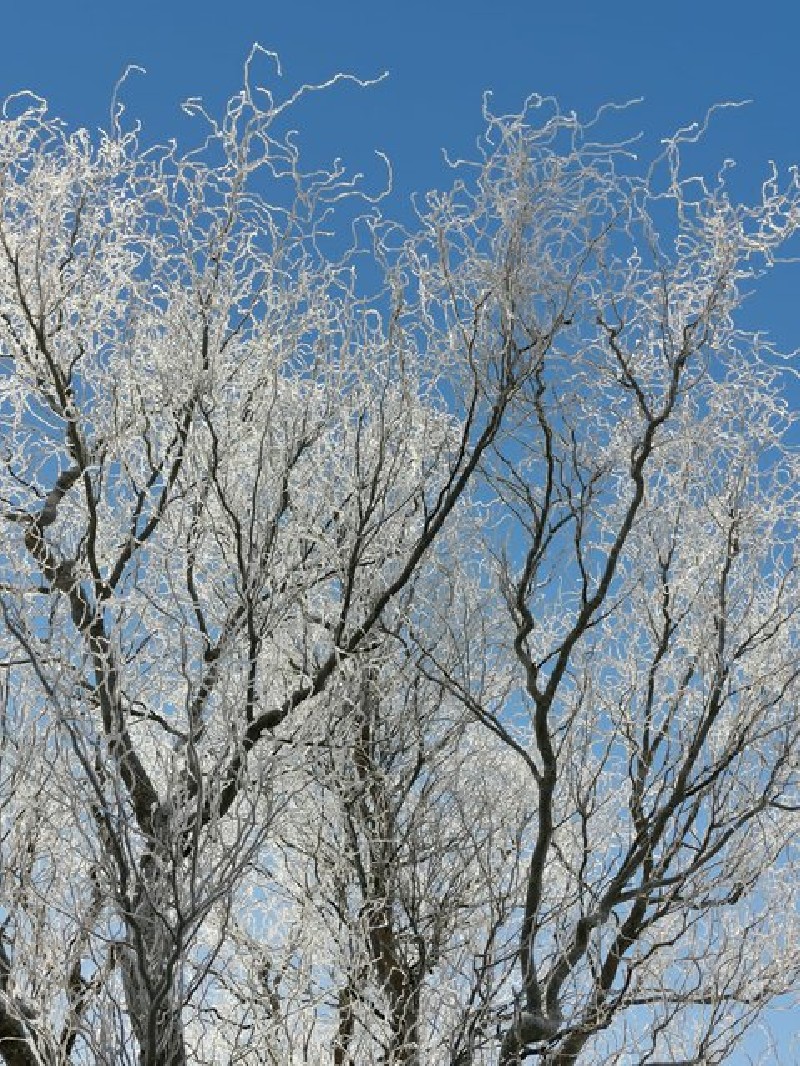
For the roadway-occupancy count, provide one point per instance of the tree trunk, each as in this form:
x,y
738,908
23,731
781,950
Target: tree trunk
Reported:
x,y
150,977
18,1046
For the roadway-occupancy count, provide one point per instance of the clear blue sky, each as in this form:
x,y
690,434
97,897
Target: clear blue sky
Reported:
x,y
681,56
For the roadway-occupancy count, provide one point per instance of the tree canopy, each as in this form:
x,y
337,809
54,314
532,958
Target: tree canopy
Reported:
x,y
399,648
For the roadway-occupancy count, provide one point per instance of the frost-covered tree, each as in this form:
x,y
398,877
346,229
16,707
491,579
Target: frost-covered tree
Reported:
x,y
399,629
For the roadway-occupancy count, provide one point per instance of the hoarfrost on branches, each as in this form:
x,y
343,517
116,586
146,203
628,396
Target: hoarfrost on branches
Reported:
x,y
403,676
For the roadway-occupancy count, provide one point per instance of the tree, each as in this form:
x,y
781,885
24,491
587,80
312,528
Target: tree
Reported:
x,y
401,676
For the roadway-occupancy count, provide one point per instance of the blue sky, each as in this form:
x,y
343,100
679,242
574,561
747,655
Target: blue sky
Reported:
x,y
681,57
